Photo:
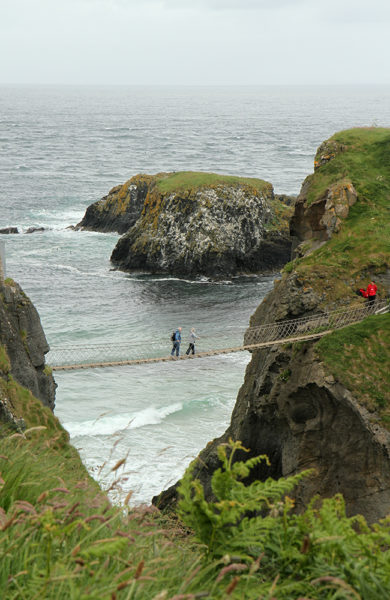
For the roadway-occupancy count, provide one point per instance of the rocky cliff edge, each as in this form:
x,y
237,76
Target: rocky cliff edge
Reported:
x,y
23,346
325,404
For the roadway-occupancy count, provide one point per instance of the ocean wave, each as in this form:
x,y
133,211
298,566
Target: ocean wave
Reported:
x,y
110,424
101,274
200,280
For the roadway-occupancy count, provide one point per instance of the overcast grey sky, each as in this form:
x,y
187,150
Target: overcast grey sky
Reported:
x,y
195,41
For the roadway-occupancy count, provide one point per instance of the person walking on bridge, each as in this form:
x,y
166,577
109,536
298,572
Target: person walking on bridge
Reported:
x,y
191,340
176,342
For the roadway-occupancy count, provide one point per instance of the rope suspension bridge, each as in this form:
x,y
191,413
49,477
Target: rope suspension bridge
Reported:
x,y
262,336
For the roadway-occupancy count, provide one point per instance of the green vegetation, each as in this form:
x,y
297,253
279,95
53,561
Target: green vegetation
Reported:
x,y
359,155
348,352
60,541
187,180
276,554
5,364
285,375
362,246
185,184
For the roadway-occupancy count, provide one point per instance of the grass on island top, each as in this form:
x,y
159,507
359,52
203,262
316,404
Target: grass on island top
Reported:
x,y
185,180
362,246
359,357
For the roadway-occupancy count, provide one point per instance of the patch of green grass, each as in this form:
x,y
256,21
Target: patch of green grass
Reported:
x,y
362,157
186,180
285,375
347,354
58,542
362,246
5,365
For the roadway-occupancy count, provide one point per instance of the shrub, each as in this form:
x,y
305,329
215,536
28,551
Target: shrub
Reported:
x,y
319,554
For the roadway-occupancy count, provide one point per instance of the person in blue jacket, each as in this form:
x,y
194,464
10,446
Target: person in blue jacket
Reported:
x,y
176,342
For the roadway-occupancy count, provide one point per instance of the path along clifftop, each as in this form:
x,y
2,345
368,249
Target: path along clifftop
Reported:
x,y
189,223
325,404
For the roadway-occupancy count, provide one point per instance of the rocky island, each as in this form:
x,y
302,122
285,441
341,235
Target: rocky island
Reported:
x,y
194,224
326,404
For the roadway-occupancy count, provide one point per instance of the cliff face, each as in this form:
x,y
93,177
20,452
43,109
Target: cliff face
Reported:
x,y
299,403
120,209
23,345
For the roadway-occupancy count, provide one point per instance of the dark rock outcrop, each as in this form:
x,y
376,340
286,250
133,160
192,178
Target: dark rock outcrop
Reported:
x,y
22,337
291,409
120,209
315,223
35,230
8,230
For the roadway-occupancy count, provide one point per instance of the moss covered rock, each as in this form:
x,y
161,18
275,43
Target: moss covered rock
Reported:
x,y
23,344
206,224
120,209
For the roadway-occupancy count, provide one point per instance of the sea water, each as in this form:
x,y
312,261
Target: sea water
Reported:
x,y
62,148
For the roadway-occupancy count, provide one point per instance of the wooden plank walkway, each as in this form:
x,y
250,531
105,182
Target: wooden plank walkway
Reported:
x,y
141,361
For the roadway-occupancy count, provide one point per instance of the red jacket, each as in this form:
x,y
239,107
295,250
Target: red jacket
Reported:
x,y
371,289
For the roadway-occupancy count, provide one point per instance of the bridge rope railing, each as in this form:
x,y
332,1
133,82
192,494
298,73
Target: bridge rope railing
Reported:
x,y
272,332
317,323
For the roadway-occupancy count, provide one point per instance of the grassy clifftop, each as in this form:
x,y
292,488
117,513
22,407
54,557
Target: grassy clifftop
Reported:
x,y
361,248
47,441
362,155
360,251
359,357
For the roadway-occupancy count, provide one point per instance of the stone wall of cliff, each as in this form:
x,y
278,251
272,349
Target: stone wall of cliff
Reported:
x,y
23,346
120,209
297,405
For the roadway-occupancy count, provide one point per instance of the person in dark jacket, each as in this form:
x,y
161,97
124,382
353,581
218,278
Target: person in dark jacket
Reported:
x,y
371,292
176,342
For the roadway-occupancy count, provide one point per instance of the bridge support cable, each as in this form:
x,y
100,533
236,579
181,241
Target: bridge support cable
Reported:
x,y
262,336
